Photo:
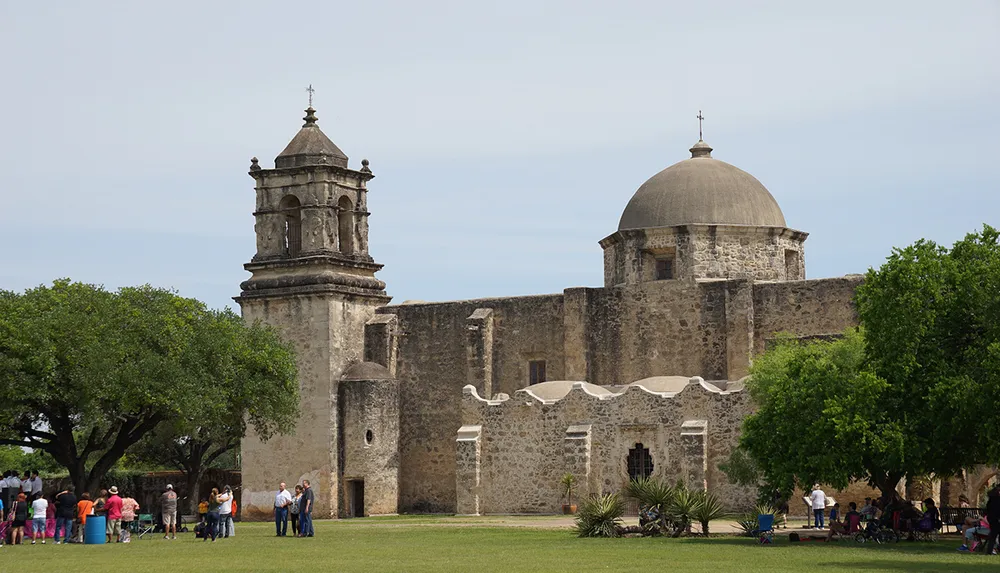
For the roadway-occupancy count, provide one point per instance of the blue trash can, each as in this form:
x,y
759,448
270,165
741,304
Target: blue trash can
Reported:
x,y
94,530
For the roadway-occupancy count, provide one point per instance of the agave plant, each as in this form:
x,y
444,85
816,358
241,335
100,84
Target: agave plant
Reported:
x,y
601,516
747,522
682,509
655,498
709,507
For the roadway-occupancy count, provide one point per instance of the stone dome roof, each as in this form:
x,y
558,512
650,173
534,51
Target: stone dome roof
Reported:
x,y
310,146
701,190
366,371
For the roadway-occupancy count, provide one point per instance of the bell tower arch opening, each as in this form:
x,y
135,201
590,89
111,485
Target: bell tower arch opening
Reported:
x,y
345,225
291,227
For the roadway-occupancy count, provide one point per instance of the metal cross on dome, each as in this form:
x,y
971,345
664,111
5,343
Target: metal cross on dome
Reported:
x,y
312,91
700,119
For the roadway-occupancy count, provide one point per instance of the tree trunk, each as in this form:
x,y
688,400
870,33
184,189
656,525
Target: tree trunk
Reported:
x,y
192,479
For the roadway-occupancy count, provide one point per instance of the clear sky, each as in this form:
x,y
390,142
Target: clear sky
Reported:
x,y
506,137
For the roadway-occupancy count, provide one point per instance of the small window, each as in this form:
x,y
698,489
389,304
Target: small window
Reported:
x,y
792,265
369,436
664,269
536,371
291,239
640,463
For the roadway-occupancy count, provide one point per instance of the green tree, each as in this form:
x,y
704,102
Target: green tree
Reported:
x,y
247,395
912,393
932,325
86,373
819,417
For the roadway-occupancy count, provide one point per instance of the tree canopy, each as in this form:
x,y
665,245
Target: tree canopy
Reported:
x,y
86,373
912,392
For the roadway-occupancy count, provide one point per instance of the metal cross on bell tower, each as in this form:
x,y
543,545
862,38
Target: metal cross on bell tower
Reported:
x,y
312,91
700,119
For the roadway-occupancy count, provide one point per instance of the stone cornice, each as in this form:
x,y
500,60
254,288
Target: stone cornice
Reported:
x,y
260,174
793,234
312,259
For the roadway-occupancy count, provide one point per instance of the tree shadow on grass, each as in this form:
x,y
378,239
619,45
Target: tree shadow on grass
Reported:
x,y
781,543
982,564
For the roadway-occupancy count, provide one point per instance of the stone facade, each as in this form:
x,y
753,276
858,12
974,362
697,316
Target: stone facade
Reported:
x,y
451,407
527,443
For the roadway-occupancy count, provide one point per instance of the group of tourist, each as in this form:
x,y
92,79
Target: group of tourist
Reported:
x,y
62,516
216,513
298,506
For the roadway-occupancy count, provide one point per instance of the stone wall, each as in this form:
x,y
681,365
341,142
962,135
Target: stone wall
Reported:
x,y
434,364
369,416
705,252
526,444
327,333
804,308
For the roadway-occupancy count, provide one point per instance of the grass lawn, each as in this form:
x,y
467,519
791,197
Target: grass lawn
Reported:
x,y
435,545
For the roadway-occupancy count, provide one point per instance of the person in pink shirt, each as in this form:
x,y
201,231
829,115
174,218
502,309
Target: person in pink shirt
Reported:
x,y
129,507
113,510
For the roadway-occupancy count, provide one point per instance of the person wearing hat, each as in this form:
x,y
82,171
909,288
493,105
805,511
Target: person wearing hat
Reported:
x,y
168,508
113,511
818,499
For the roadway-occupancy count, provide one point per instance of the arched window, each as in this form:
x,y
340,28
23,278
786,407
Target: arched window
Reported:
x,y
345,228
640,463
291,226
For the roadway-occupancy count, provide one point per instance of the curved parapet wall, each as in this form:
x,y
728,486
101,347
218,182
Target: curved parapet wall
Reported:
x,y
525,443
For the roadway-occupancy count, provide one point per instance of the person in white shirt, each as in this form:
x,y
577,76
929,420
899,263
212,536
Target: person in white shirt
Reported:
x,y
26,488
36,484
226,528
818,498
38,509
281,502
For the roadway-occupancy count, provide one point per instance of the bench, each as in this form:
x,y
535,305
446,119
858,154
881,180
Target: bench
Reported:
x,y
955,516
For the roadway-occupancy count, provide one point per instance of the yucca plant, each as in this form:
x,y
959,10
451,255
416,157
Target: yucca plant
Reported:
x,y
747,522
682,508
708,507
601,516
654,499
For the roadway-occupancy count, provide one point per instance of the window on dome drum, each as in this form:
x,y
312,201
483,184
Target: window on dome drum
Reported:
x,y
536,371
664,269
640,463
792,265
291,226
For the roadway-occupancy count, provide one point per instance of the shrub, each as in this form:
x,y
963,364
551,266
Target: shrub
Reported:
x,y
709,507
748,521
601,516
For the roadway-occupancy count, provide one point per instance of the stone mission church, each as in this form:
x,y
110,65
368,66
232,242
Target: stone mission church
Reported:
x,y
481,406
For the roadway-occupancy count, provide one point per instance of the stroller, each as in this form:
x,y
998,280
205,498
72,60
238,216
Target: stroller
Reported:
x,y
877,533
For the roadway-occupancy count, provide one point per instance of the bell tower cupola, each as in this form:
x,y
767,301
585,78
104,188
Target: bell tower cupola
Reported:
x,y
312,220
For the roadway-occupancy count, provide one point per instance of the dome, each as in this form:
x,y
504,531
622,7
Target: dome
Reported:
x,y
701,190
310,146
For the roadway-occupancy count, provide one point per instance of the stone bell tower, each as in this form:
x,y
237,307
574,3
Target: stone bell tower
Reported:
x,y
313,280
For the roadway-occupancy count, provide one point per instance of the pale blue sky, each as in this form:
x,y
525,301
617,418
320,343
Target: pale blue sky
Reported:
x,y
506,138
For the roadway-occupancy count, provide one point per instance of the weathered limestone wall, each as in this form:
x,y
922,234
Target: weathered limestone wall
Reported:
x,y
653,329
527,444
804,308
433,366
369,414
705,252
327,332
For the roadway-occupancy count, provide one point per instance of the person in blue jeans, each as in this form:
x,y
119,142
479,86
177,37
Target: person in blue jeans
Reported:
x,y
212,517
305,510
65,514
281,502
818,499
38,507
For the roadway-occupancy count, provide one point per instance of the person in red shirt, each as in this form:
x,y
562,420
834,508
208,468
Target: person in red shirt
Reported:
x,y
113,510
